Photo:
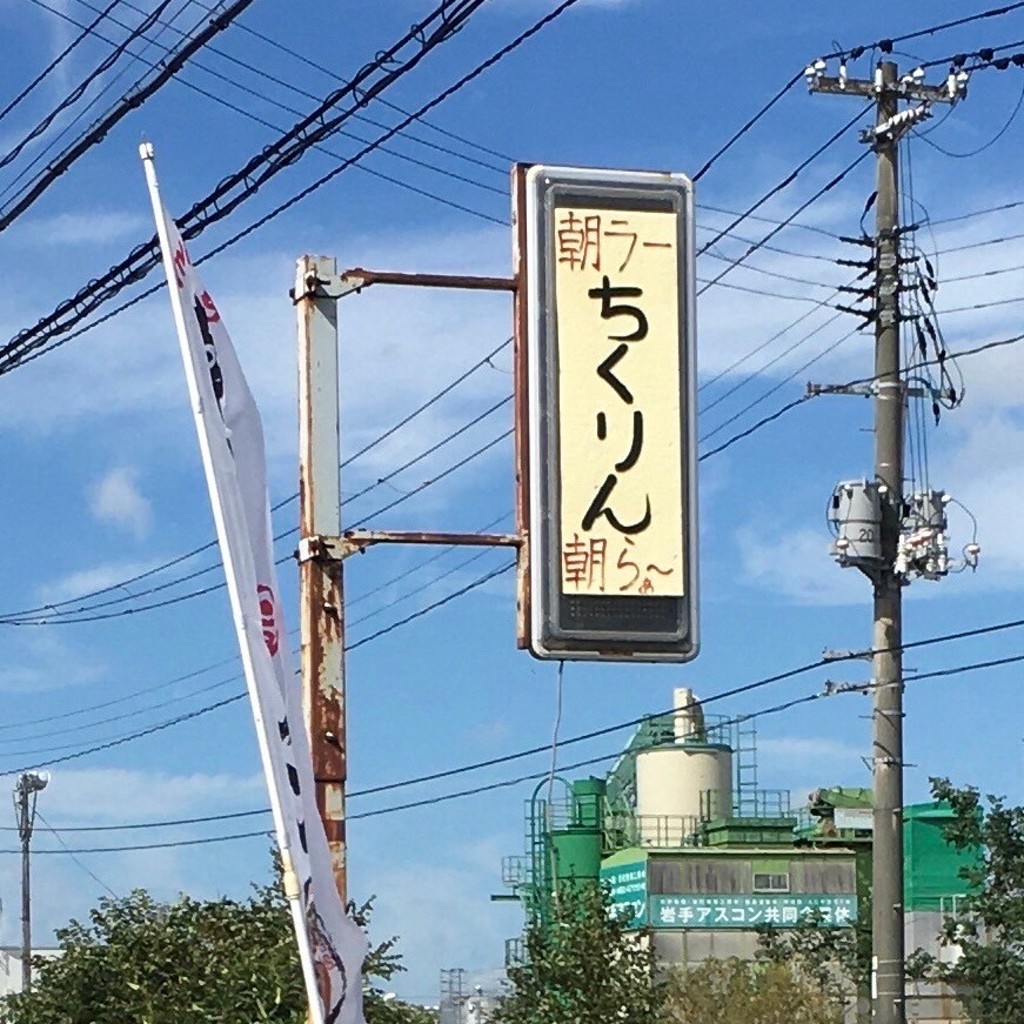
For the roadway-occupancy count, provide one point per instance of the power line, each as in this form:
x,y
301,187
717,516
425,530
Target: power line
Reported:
x,y
79,90
129,102
105,88
250,115
746,127
59,59
493,574
74,855
244,183
305,93
781,383
205,841
594,734
886,45
827,187
775,190
209,545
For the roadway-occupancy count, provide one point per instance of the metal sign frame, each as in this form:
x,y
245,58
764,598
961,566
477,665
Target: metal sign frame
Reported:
x,y
553,624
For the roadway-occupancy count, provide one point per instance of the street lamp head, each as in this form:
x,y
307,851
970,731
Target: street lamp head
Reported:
x,y
35,782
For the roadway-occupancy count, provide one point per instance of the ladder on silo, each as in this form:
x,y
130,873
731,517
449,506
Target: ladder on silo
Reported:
x,y
745,801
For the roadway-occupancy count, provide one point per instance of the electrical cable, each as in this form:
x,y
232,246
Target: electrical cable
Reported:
x,y
781,383
108,86
249,115
305,59
886,45
493,574
79,90
71,618
206,709
594,734
987,145
729,392
788,180
800,209
306,94
830,235
218,204
74,855
27,197
763,712
209,545
407,595
60,58
746,127
205,841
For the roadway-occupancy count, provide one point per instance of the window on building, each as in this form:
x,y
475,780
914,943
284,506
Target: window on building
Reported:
x,y
771,882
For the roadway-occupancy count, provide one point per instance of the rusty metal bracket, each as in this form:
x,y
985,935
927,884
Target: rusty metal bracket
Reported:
x,y
323,549
337,286
355,542
358,278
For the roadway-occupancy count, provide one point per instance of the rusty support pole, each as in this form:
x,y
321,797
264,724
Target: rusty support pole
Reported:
x,y
321,617
521,405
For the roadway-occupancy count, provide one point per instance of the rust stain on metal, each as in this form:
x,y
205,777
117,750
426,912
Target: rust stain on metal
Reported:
x,y
520,405
321,617
469,282
358,540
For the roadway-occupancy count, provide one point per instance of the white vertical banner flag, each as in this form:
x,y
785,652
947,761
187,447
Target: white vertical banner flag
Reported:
x,y
332,947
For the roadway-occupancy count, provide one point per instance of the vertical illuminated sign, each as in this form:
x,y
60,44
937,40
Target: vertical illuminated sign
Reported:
x,y
607,313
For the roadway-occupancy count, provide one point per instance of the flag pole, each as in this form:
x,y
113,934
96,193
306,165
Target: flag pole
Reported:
x,y
291,884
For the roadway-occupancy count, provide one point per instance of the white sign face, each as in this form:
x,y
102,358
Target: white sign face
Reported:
x,y
620,449
855,817
606,322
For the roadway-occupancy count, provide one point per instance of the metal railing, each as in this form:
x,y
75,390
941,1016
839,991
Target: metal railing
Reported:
x,y
515,871
652,831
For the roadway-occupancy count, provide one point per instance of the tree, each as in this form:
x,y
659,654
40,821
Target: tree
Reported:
x,y
140,961
742,992
989,929
837,961
582,966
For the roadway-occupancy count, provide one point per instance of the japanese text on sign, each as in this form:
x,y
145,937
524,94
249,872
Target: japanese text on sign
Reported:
x,y
751,911
617,320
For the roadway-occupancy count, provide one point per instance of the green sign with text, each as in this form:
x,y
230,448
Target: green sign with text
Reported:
x,y
627,885
751,911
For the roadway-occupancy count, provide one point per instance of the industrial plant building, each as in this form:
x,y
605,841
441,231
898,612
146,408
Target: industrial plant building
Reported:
x,y
693,849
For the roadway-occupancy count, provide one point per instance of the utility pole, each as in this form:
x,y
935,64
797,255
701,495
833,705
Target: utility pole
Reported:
x,y
28,787
321,602
885,495
322,546
887,910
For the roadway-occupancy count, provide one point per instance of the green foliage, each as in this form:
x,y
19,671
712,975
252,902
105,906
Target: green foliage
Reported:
x,y
990,928
836,961
583,967
139,961
741,992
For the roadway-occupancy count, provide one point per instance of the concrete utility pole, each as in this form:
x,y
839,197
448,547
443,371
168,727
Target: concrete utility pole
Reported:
x,y
28,787
888,987
321,615
887,911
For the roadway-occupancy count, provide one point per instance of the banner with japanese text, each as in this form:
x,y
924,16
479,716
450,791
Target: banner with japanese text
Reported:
x,y
230,432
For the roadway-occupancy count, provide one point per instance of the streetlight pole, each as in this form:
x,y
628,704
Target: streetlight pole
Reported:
x,y
27,789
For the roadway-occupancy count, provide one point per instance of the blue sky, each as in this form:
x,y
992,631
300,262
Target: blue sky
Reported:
x,y
102,481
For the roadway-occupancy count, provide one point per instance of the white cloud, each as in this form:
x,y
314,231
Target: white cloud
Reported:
x,y
97,577
93,228
77,798
38,660
806,748
438,913
795,564
117,500
115,795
